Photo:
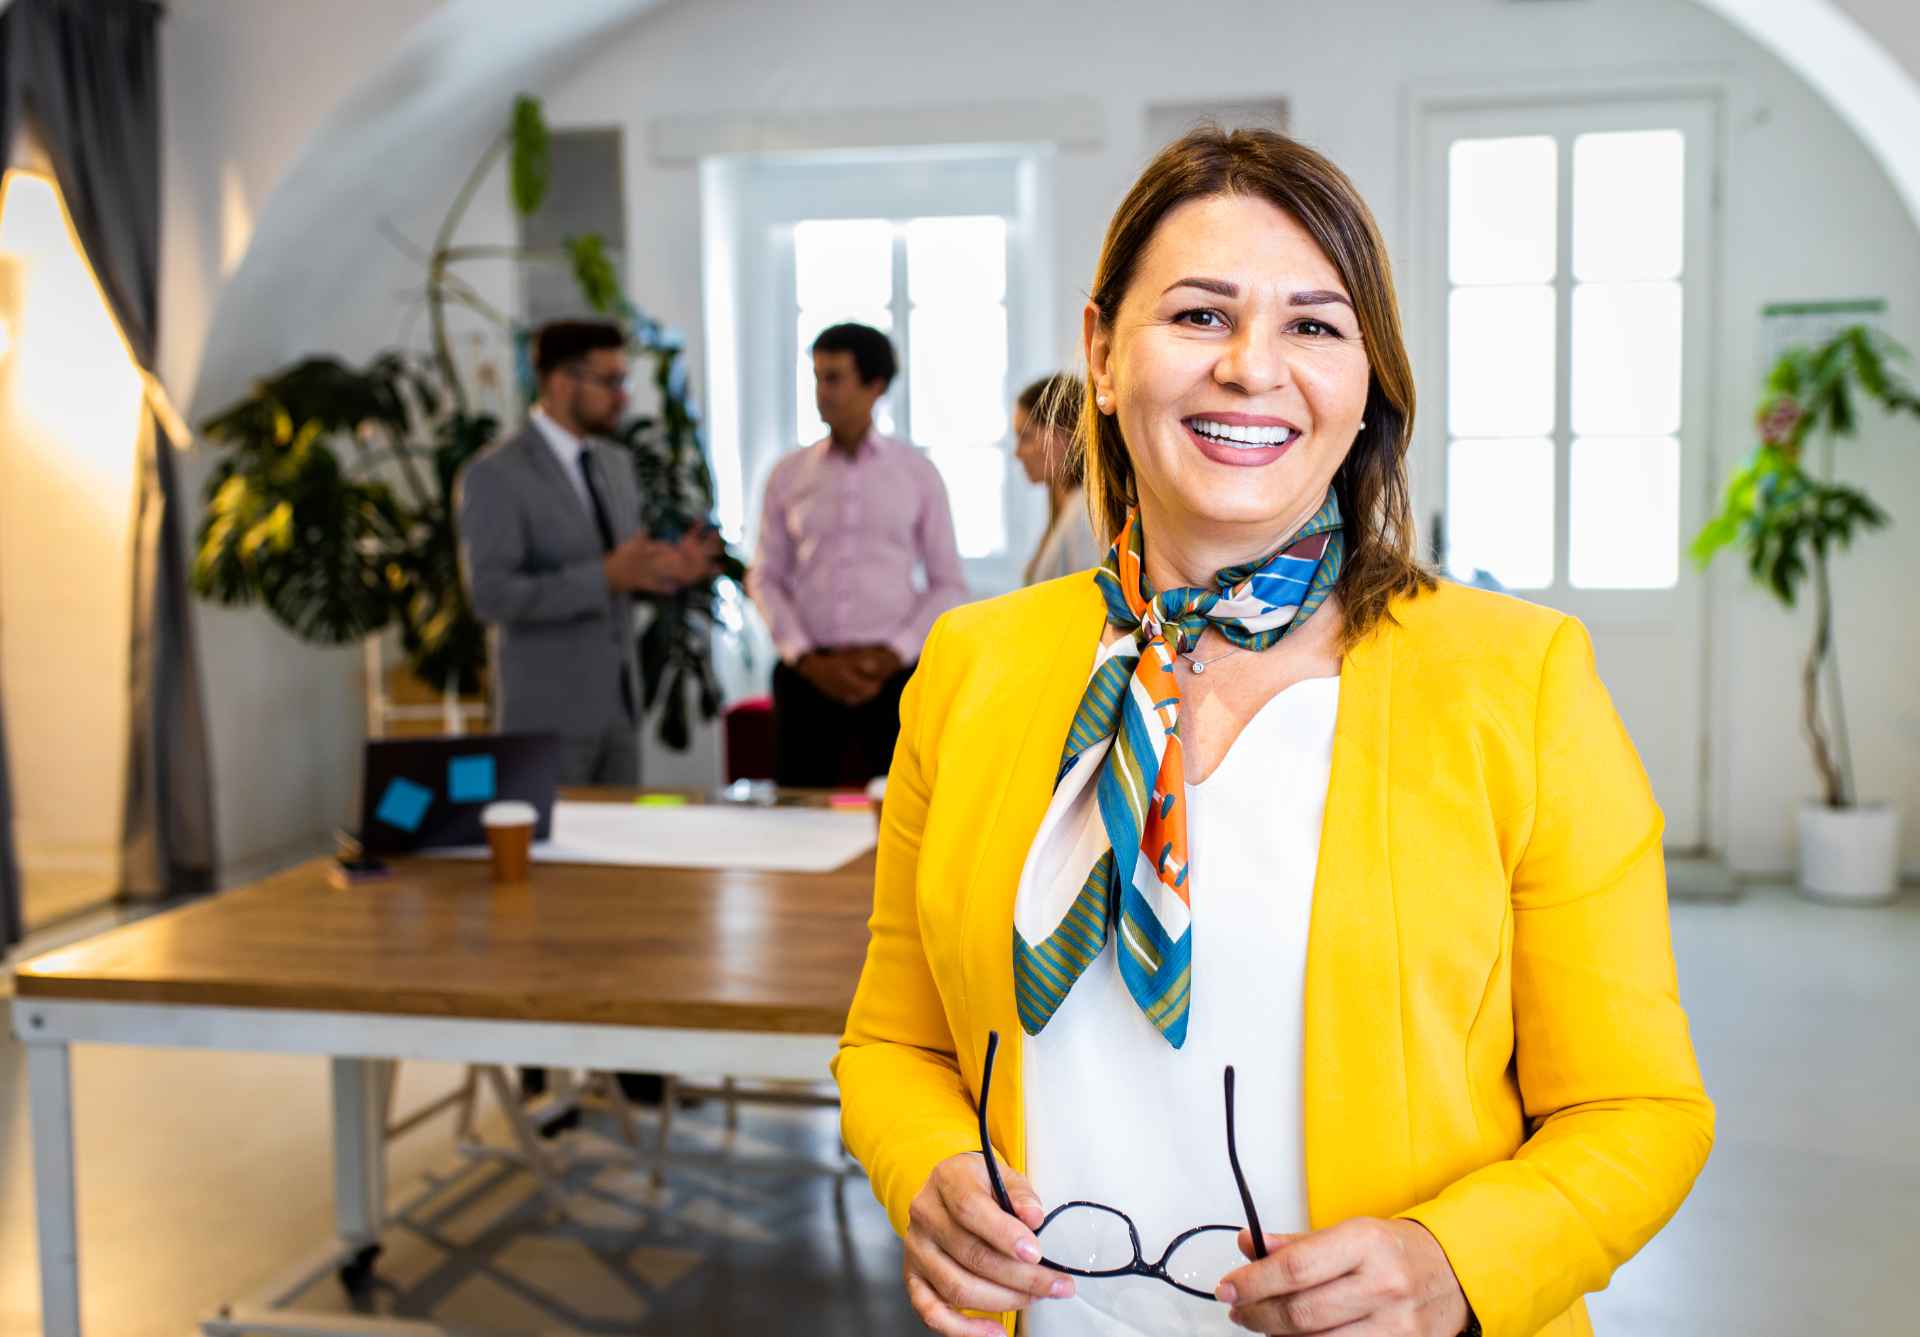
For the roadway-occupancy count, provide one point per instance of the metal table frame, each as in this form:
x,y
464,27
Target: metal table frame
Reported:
x,y
357,1043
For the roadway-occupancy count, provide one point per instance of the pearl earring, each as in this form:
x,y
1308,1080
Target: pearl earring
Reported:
x,y
1101,400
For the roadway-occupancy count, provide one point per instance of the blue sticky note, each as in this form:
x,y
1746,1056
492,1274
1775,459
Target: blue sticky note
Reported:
x,y
470,779
404,805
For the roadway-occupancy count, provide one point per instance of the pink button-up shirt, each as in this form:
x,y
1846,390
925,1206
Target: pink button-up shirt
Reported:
x,y
840,539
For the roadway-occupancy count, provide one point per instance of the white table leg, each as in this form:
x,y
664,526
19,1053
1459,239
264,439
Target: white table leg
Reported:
x,y
359,1151
50,1094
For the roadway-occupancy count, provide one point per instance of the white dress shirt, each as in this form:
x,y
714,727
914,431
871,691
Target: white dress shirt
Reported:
x,y
569,449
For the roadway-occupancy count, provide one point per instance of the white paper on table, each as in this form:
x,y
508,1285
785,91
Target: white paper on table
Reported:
x,y
775,840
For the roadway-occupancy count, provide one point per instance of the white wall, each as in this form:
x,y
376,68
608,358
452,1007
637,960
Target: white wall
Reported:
x,y
245,84
1895,24
293,131
244,88
1807,214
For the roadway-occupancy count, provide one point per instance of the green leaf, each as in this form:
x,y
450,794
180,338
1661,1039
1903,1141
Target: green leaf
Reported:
x,y
1718,532
1841,419
530,167
1867,363
594,271
1787,375
444,642
329,585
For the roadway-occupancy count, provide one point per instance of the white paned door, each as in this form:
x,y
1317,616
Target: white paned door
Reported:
x,y
1566,271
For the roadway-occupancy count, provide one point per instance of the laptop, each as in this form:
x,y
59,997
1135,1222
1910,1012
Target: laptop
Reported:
x,y
424,793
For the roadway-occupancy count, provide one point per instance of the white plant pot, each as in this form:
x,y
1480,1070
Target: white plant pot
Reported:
x,y
1849,855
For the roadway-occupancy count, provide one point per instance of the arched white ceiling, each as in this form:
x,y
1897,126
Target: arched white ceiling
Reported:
x,y
1851,69
410,132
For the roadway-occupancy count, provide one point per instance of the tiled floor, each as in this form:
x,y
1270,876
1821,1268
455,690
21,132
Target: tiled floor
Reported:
x,y
202,1174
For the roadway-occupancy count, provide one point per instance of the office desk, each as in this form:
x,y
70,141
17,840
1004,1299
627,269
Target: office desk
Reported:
x,y
644,969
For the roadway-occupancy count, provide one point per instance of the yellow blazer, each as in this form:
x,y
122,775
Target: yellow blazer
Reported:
x,y
1494,1044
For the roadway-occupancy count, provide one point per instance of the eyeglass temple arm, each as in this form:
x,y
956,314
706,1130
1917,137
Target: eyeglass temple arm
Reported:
x,y
986,1146
1233,1159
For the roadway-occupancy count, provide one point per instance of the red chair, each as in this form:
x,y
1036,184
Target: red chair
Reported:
x,y
749,732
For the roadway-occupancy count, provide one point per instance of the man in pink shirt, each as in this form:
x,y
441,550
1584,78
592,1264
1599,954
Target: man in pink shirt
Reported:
x,y
847,525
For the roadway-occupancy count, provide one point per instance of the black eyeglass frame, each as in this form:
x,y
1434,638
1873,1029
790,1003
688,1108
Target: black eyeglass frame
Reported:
x,y
1139,1267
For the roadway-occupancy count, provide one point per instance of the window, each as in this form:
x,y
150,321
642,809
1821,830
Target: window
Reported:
x,y
1565,328
948,322
935,246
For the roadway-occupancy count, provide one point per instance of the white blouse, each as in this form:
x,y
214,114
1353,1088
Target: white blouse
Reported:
x,y
1116,1115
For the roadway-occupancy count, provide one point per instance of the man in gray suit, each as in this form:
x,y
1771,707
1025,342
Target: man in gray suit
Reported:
x,y
553,553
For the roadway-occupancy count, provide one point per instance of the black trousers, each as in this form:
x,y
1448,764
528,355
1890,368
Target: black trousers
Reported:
x,y
819,743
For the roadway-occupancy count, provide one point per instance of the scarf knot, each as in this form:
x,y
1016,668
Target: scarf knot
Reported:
x,y
1122,768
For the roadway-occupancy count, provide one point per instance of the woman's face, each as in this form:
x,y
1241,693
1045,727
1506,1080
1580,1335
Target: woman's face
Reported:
x,y
1037,447
1236,369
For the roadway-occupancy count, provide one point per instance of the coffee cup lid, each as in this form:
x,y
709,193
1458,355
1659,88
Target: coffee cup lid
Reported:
x,y
509,812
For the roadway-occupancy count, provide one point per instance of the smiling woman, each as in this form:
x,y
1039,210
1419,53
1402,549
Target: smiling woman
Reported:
x,y
1214,326
1259,795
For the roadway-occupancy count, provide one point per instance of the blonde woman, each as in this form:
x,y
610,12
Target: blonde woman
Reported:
x,y
1044,417
1265,937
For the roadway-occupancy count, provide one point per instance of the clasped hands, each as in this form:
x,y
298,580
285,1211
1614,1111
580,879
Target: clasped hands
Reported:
x,y
1362,1278
647,565
852,675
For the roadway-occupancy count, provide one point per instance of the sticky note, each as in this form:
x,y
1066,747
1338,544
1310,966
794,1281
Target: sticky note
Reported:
x,y
404,805
662,800
847,800
470,779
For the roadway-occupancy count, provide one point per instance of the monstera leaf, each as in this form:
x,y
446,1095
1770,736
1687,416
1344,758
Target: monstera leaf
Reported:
x,y
288,529
444,642
319,390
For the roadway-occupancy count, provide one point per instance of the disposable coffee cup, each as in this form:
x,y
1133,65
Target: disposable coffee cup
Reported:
x,y
509,827
877,794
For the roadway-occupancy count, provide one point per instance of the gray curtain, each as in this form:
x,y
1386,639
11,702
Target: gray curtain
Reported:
x,y
10,925
84,76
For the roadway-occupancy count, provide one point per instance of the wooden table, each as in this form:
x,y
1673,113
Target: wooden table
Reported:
x,y
640,969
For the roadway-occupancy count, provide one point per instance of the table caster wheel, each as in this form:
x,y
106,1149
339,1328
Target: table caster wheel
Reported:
x,y
356,1274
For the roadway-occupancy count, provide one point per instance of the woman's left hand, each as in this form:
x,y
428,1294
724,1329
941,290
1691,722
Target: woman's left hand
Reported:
x,y
1361,1278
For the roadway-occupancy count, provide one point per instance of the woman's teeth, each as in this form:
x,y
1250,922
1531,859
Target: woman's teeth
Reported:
x,y
1235,435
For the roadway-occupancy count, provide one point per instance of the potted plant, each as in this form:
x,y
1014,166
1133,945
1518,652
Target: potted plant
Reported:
x,y
1790,518
333,506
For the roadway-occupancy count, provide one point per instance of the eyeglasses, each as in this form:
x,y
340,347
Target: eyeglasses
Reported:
x,y
1102,1241
613,382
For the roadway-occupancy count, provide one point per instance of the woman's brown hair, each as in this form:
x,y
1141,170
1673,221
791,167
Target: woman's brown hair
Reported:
x,y
1371,483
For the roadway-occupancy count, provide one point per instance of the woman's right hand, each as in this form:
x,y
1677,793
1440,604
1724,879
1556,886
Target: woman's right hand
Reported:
x,y
963,1252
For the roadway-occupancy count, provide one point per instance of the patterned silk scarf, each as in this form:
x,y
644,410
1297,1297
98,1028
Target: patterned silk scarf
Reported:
x,y
1125,745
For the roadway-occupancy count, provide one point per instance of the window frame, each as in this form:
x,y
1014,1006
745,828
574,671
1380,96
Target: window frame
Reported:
x,y
1437,121
758,200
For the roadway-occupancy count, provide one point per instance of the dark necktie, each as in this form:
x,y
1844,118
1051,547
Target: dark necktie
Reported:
x,y
600,518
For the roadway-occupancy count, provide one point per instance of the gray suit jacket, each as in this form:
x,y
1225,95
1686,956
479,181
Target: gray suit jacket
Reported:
x,y
531,557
